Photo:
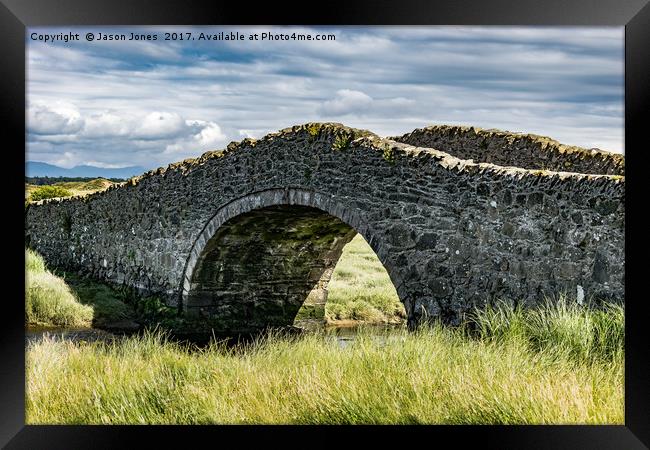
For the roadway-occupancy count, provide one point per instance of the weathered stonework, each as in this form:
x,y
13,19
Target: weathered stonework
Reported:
x,y
243,236
527,151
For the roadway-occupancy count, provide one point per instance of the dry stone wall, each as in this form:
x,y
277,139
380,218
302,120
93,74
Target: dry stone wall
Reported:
x,y
452,233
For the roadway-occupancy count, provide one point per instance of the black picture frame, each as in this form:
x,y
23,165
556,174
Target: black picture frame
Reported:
x,y
16,15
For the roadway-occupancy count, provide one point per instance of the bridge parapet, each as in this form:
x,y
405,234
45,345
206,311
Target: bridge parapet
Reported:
x,y
527,151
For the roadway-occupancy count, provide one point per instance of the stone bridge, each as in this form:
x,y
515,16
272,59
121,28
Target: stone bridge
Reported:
x,y
458,216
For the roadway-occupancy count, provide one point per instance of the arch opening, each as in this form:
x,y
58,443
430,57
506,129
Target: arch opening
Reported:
x,y
359,290
261,267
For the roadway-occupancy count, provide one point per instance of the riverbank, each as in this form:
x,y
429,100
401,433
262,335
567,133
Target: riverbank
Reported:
x,y
554,365
69,301
360,292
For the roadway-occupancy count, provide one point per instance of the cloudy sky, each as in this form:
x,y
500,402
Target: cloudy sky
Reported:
x,y
150,103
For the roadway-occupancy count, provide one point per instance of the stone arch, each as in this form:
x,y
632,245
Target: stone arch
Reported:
x,y
314,229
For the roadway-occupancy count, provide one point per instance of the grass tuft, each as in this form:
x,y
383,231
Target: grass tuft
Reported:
x,y
49,300
34,262
581,333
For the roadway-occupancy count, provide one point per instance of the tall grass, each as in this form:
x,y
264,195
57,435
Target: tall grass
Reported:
x,y
49,300
34,262
508,373
574,331
360,288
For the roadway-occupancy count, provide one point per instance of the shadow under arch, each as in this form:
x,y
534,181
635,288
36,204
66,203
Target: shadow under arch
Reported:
x,y
261,256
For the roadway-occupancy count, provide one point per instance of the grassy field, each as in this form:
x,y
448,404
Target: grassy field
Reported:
x,y
561,365
74,187
360,288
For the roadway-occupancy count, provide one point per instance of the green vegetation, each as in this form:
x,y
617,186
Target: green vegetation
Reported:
x,y
571,331
97,184
34,263
501,373
70,300
71,186
43,192
40,181
342,140
360,288
314,130
49,300
560,363
389,154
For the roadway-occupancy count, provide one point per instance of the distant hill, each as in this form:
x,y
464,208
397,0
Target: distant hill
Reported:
x,y
41,169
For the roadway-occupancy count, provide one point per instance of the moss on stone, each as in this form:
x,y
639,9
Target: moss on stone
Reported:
x,y
313,129
314,311
342,140
389,153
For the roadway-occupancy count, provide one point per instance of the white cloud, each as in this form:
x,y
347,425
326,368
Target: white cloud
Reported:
x,y
106,124
347,101
55,119
210,133
160,125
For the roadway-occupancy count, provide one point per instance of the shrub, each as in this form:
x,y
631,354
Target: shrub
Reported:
x,y
389,154
313,129
342,140
44,192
